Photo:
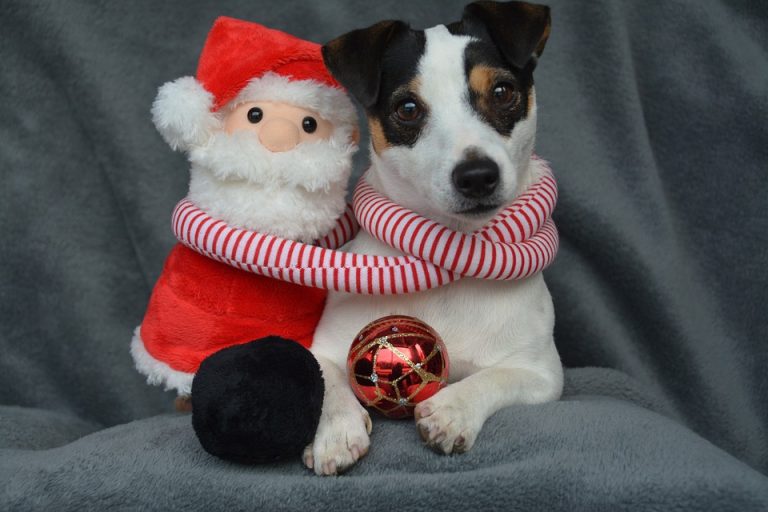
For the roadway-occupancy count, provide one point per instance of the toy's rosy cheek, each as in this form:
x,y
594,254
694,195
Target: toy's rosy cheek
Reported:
x,y
279,126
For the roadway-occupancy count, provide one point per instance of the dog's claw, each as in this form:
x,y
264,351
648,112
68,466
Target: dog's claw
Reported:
x,y
422,411
307,457
341,441
423,433
445,427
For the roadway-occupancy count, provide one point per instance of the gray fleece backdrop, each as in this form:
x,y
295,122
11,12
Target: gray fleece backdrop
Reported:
x,y
654,116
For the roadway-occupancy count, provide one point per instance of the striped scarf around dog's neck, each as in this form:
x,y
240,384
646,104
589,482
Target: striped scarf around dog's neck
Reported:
x,y
521,240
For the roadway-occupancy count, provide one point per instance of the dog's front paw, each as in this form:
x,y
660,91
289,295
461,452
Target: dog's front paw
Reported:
x,y
341,440
445,424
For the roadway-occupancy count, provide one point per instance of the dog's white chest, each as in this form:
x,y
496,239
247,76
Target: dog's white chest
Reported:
x,y
481,322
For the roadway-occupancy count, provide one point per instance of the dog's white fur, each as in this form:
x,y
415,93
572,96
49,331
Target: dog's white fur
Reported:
x,y
498,334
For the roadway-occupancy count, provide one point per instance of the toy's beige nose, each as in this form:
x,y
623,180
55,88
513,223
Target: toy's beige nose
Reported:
x,y
279,135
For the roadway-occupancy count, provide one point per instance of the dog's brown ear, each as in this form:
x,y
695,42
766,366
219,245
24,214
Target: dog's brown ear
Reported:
x,y
354,59
519,29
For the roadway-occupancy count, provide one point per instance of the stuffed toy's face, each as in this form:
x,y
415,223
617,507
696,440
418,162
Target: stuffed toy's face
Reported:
x,y
266,160
278,126
276,146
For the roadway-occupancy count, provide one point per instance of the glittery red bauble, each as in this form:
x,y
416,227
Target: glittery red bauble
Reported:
x,y
396,362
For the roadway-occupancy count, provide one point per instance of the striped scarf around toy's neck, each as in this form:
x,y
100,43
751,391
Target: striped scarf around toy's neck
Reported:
x,y
521,240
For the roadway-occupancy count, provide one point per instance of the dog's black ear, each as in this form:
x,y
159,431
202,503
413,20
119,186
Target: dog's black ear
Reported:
x,y
354,59
519,29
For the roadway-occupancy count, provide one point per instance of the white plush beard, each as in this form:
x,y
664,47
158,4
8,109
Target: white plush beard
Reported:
x,y
296,194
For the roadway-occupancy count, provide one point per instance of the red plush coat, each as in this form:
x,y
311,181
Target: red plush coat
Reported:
x,y
200,306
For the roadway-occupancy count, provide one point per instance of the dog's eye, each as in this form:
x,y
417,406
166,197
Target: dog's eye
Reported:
x,y
408,111
309,124
255,115
504,94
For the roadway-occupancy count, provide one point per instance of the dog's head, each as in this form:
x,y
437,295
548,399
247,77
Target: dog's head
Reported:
x,y
451,109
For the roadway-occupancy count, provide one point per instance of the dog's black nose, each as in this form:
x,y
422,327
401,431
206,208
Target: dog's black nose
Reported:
x,y
476,178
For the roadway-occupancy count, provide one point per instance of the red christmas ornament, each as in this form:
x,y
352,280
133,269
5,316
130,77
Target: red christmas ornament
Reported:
x,y
396,362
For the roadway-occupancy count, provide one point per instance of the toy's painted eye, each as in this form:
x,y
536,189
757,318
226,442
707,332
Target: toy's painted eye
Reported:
x,y
409,111
255,115
309,124
504,95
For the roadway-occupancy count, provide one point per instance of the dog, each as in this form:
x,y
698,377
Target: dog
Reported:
x,y
452,117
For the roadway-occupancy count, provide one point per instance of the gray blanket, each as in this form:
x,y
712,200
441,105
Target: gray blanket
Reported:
x,y
653,115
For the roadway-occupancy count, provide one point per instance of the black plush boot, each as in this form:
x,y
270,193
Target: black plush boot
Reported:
x,y
257,402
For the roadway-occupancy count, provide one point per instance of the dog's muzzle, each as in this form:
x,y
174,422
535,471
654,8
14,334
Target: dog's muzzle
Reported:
x,y
477,178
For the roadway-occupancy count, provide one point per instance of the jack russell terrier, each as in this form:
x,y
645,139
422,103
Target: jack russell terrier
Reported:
x,y
452,117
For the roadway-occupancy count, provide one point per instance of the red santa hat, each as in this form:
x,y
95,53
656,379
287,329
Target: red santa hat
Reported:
x,y
243,61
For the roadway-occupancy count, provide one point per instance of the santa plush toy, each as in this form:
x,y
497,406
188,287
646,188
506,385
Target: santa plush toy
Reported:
x,y
270,136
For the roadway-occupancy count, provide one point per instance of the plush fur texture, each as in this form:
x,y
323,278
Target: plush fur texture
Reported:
x,y
158,373
297,194
199,306
182,113
257,402
236,50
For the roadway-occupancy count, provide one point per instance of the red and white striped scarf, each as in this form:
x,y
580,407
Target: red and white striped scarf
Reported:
x,y
519,241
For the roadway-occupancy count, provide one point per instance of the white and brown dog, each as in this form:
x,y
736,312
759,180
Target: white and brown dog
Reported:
x,y
452,116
